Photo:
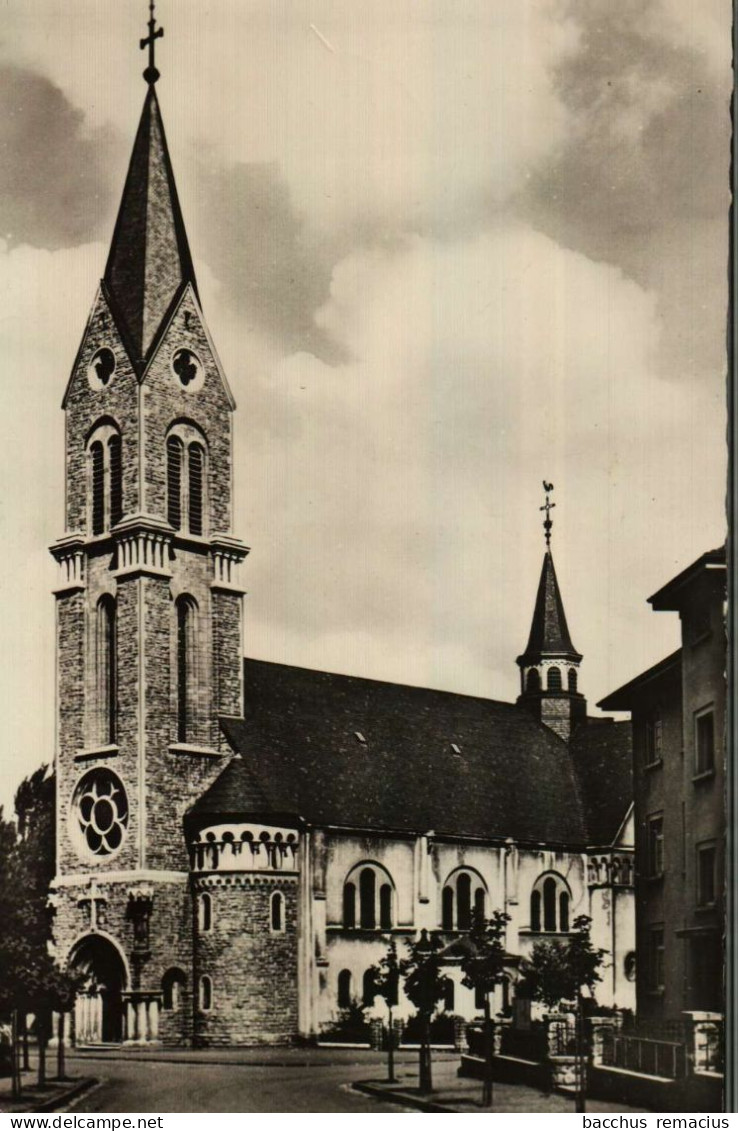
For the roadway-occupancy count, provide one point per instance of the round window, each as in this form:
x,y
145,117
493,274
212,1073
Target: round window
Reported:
x,y
188,369
101,368
101,808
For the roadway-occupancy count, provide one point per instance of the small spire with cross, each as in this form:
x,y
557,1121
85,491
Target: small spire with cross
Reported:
x,y
548,507
151,74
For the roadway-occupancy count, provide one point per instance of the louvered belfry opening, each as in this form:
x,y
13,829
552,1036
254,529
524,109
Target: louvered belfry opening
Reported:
x,y
196,466
115,454
175,450
97,457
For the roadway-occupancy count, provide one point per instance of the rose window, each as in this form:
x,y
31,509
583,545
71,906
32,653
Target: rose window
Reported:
x,y
102,811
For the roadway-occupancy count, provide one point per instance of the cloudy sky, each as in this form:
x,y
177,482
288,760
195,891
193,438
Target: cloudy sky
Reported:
x,y
446,248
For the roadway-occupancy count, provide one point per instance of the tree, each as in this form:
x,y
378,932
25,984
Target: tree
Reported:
x,y
558,972
483,965
425,986
386,981
30,979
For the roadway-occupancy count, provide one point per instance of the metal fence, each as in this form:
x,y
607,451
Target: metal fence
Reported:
x,y
646,1055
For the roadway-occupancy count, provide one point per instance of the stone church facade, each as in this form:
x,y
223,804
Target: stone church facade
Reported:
x,y
237,840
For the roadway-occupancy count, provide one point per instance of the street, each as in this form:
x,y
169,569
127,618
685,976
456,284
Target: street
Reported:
x,y
136,1086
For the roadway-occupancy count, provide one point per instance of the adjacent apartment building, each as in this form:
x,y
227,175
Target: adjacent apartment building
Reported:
x,y
678,717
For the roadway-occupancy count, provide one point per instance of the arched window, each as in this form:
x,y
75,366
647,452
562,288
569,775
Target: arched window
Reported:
x,y
105,456
97,474
186,610
206,992
463,902
385,907
277,912
175,449
186,479
205,911
535,911
349,905
572,679
447,911
369,992
172,987
456,899
196,470
533,680
371,887
344,989
563,911
448,995
106,670
367,899
115,456
554,679
550,904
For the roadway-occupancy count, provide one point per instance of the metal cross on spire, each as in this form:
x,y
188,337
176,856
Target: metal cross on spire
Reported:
x,y
151,74
548,507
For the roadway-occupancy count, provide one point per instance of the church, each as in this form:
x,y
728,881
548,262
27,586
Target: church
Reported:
x,y
237,840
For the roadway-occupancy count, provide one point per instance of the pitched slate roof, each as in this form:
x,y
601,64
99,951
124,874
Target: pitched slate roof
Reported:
x,y
549,632
149,262
602,753
359,753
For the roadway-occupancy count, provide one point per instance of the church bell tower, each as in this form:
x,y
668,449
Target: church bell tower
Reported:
x,y
549,666
148,609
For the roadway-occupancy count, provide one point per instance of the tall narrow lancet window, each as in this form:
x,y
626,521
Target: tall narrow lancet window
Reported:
x,y
115,458
196,470
447,909
564,911
186,675
175,449
106,664
480,902
535,911
367,896
572,679
385,907
463,902
97,478
349,905
549,904
344,989
533,682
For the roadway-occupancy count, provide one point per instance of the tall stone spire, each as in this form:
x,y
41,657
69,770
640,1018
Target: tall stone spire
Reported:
x,y
149,264
549,666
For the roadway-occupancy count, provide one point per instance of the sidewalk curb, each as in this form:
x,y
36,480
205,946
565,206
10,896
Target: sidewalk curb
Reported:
x,y
407,1099
61,1098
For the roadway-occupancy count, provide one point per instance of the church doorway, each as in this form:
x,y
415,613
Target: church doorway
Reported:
x,y
98,1015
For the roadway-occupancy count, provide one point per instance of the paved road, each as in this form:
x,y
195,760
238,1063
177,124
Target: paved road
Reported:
x,y
158,1087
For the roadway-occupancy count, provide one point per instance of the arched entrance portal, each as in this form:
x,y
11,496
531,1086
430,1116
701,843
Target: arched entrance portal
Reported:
x,y
99,1008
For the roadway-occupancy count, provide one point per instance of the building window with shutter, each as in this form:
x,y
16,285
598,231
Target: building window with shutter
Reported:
x,y
704,743
655,845
652,751
706,875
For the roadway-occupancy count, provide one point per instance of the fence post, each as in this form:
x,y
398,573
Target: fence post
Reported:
x,y
603,1029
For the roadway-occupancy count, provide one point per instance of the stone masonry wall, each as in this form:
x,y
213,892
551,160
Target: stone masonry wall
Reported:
x,y
166,401
85,406
227,661
253,970
170,938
